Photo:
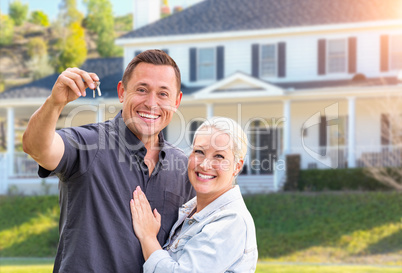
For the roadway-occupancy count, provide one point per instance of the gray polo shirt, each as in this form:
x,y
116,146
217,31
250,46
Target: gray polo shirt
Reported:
x,y
102,165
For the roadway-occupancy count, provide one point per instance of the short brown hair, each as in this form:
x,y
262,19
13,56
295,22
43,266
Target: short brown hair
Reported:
x,y
152,56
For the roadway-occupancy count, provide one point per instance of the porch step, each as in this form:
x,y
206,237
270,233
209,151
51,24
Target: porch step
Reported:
x,y
256,184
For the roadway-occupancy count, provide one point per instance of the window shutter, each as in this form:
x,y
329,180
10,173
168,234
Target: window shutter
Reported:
x,y
137,52
352,54
193,64
323,132
384,53
281,59
321,56
220,59
166,51
255,60
385,130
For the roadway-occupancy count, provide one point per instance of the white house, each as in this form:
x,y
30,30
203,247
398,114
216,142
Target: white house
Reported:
x,y
315,78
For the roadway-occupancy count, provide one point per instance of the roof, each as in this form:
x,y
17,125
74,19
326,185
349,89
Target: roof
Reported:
x,y
109,70
239,15
365,82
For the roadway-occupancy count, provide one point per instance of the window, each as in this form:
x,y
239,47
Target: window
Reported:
x,y
264,145
268,60
338,131
336,55
206,64
194,124
395,52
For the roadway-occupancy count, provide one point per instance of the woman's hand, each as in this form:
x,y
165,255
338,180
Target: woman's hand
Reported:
x,y
146,224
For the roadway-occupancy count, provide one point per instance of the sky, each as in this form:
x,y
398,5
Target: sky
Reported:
x,y
51,7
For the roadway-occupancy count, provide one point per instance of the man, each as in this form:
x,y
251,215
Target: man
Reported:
x,y
100,165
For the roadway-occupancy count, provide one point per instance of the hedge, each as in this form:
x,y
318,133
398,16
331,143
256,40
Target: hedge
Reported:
x,y
338,179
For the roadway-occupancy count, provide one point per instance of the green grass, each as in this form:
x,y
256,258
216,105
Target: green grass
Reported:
x,y
339,228
29,226
27,265
280,268
363,227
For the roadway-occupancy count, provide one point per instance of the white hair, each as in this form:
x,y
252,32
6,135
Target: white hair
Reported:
x,y
232,129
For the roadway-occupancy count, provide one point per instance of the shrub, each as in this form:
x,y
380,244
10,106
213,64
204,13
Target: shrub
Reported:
x,y
39,18
338,179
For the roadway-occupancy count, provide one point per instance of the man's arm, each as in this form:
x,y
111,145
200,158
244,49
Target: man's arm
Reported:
x,y
40,139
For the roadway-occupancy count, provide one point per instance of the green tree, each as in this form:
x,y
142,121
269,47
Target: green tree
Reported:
x,y
100,20
73,49
123,23
6,30
18,12
36,47
39,18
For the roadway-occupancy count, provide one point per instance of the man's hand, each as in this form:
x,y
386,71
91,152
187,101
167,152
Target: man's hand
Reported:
x,y
71,85
146,224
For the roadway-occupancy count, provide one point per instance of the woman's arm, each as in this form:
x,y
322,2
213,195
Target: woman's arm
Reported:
x,y
146,224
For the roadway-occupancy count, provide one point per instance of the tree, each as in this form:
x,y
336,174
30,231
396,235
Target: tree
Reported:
x,y
39,18
100,21
385,166
36,47
18,12
71,46
6,30
69,13
73,49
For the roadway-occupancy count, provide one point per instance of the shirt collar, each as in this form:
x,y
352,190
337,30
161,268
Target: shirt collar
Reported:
x,y
228,197
134,145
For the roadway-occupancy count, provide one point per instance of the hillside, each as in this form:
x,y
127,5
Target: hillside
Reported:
x,y
15,63
362,227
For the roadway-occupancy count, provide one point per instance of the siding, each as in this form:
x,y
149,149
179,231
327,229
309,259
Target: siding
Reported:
x,y
301,55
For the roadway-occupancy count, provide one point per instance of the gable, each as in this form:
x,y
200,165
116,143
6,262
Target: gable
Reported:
x,y
239,85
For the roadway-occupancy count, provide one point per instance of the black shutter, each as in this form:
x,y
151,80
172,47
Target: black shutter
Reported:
x,y
281,59
321,56
137,52
352,54
323,132
255,60
166,51
384,53
193,64
220,59
385,130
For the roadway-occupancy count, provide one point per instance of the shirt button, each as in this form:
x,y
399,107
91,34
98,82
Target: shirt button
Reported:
x,y
167,248
190,222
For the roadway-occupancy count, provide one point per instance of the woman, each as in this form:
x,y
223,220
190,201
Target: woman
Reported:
x,y
214,232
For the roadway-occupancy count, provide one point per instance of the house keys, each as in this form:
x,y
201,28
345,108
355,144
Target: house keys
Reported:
x,y
98,89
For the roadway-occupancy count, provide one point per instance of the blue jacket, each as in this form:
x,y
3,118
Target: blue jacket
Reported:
x,y
220,238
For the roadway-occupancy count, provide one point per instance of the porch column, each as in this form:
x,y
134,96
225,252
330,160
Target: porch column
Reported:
x,y
351,132
210,110
286,127
10,140
100,117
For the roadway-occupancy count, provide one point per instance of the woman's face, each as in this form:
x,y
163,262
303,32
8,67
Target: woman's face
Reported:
x,y
212,164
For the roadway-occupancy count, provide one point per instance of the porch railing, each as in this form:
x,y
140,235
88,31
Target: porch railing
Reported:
x,y
24,165
337,157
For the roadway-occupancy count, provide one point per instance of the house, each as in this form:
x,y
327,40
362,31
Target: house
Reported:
x,y
314,78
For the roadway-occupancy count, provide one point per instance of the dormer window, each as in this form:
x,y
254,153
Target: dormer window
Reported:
x,y
268,61
206,64
337,56
395,56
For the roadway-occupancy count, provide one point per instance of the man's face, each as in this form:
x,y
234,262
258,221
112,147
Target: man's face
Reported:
x,y
149,99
